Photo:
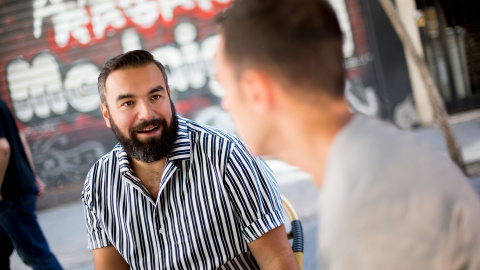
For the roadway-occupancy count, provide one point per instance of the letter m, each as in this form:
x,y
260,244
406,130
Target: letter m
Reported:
x,y
36,88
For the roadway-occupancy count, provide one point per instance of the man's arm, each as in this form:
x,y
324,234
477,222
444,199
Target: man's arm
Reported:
x,y
273,251
108,258
270,248
256,198
40,184
4,158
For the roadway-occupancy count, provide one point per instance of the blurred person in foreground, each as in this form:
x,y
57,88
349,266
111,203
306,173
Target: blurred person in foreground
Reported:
x,y
20,187
387,201
174,194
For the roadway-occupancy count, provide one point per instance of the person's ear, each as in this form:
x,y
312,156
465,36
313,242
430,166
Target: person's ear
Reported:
x,y
257,86
105,114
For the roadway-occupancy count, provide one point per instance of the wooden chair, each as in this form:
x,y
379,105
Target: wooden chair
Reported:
x,y
296,231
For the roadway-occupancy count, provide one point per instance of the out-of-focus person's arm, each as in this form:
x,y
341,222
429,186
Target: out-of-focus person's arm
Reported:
x,y
107,258
273,251
40,184
4,158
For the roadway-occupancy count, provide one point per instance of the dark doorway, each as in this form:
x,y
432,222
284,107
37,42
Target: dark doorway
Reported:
x,y
450,31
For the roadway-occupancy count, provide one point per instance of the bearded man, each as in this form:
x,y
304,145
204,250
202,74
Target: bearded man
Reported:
x,y
174,194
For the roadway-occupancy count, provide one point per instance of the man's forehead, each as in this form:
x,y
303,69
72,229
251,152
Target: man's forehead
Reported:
x,y
152,67
121,78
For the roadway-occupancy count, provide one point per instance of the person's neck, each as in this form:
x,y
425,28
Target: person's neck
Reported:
x,y
313,130
149,173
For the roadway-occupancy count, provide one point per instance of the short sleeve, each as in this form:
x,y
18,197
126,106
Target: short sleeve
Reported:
x,y
254,193
97,237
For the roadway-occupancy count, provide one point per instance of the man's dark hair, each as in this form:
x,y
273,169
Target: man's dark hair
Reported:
x,y
298,41
137,58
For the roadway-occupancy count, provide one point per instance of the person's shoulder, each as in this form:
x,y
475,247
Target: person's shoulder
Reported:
x,y
100,171
382,134
225,137
210,131
112,154
107,160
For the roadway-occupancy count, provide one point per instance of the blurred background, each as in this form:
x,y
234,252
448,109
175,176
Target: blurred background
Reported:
x,y
51,52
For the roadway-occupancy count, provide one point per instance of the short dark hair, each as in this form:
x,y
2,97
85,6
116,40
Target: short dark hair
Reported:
x,y
298,41
137,58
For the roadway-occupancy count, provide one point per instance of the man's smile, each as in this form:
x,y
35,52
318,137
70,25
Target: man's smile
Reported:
x,y
149,129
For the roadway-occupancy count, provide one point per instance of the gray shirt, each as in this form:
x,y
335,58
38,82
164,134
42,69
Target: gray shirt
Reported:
x,y
389,202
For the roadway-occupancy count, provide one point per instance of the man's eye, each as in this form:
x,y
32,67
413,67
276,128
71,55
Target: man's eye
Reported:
x,y
128,103
156,97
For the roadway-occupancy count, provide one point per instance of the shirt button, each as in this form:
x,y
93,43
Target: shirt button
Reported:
x,y
161,231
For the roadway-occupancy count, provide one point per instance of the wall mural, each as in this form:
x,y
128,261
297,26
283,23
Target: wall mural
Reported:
x,y
52,51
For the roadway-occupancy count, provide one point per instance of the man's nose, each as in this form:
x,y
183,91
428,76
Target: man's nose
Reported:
x,y
145,111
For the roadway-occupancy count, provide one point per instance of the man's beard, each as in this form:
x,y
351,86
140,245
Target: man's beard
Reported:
x,y
154,149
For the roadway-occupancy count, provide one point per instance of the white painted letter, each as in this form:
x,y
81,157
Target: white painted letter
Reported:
x,y
81,87
105,14
344,21
36,88
144,13
41,11
74,21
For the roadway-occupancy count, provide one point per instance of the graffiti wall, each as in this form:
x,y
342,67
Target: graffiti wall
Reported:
x,y
377,78
361,90
51,52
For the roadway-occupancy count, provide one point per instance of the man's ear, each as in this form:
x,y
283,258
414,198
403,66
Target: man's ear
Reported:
x,y
258,89
105,114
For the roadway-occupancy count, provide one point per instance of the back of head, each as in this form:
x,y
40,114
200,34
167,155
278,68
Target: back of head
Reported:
x,y
131,59
299,42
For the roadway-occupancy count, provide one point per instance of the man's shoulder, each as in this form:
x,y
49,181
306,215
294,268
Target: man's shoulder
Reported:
x,y
108,161
112,154
100,171
209,131
377,136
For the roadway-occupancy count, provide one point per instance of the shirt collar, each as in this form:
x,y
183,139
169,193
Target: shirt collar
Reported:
x,y
180,151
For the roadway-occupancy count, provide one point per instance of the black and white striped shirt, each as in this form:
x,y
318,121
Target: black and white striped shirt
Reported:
x,y
214,198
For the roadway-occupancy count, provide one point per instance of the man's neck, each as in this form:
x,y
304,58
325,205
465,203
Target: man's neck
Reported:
x,y
314,131
150,174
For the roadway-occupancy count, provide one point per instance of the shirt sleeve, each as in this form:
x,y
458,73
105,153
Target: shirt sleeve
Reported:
x,y
97,237
254,193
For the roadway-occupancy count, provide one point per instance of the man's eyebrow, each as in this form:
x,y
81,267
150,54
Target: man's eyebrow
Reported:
x,y
154,90
157,89
120,97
